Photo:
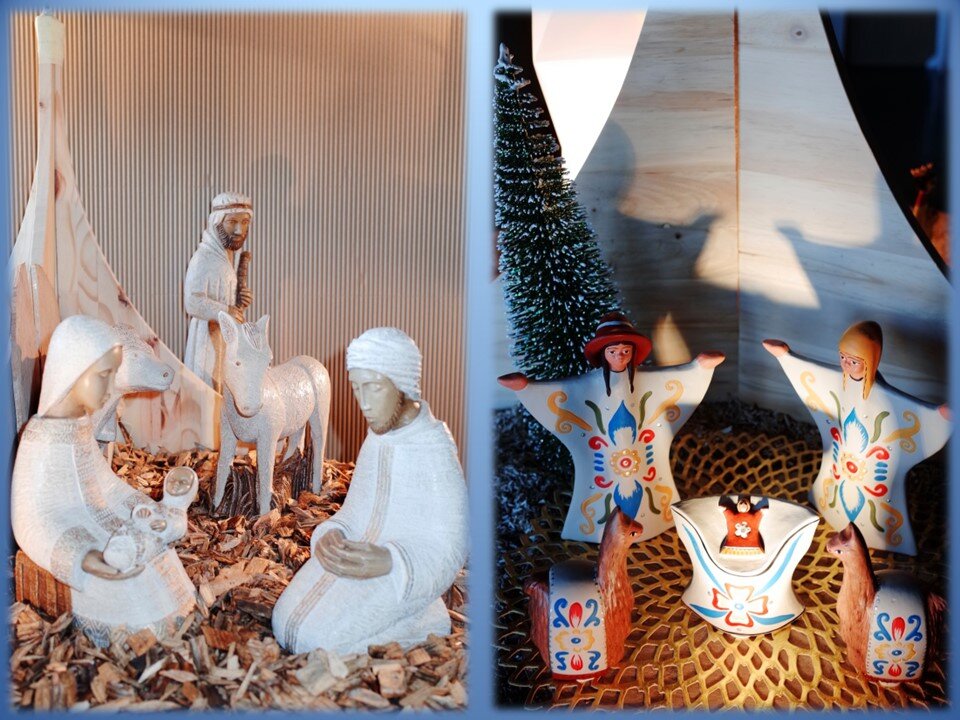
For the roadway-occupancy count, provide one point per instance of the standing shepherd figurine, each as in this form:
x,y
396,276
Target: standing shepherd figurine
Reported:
x,y
212,286
264,404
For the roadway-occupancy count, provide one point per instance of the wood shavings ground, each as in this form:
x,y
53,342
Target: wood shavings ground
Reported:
x,y
226,655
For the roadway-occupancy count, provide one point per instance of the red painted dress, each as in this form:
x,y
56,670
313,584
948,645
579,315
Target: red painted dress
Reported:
x,y
743,530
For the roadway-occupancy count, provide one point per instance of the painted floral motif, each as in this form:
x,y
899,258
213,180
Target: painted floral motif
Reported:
x,y
741,529
896,653
740,607
860,474
739,604
624,460
625,463
576,640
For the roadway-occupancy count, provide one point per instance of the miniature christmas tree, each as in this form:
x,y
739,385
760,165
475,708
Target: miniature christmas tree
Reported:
x,y
556,284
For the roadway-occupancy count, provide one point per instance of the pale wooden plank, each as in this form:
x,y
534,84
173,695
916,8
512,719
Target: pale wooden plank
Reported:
x,y
660,185
822,241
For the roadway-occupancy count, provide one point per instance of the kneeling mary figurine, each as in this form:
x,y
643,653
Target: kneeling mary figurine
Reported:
x,y
76,519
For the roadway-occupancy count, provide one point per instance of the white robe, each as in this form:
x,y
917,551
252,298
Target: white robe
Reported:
x,y
620,443
868,447
408,495
65,502
210,286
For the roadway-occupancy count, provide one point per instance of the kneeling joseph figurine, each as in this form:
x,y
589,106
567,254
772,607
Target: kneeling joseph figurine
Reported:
x,y
379,565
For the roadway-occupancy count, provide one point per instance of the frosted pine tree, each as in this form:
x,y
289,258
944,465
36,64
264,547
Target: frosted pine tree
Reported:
x,y
556,284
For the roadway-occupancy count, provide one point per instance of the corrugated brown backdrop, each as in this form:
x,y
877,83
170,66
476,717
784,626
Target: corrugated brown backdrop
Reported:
x,y
347,130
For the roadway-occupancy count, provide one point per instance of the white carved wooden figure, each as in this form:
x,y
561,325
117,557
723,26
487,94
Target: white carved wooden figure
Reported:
x,y
264,404
379,565
141,371
872,435
618,423
748,591
210,286
77,520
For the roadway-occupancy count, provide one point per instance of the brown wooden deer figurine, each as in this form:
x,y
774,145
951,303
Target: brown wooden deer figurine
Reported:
x,y
580,611
888,621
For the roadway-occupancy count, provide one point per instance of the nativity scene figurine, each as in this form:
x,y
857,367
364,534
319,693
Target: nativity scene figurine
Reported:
x,y
379,565
74,518
618,422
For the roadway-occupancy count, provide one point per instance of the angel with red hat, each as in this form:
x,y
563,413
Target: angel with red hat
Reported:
x,y
618,422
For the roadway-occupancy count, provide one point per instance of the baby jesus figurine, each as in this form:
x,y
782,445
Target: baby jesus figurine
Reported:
x,y
743,525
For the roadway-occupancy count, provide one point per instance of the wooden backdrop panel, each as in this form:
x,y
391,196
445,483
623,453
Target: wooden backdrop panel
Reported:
x,y
823,243
660,186
346,129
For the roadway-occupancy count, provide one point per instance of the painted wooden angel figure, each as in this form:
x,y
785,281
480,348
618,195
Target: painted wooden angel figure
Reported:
x,y
210,286
618,422
74,518
872,435
379,565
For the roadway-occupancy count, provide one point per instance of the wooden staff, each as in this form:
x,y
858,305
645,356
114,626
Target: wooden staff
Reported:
x,y
243,278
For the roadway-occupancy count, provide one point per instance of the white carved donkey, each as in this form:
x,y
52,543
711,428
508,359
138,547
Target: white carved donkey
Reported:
x,y
139,371
263,404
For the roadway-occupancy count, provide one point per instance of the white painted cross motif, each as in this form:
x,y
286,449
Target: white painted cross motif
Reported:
x,y
264,404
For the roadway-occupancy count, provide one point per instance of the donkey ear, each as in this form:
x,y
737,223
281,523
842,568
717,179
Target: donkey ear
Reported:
x,y
262,325
228,327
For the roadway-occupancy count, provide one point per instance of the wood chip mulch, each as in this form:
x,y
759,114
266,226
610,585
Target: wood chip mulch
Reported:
x,y
225,655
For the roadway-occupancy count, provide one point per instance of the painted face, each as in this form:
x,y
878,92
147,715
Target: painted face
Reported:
x,y
618,356
233,230
379,399
93,388
743,506
852,366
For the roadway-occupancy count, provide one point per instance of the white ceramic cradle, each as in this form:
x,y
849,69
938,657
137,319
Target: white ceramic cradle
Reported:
x,y
744,593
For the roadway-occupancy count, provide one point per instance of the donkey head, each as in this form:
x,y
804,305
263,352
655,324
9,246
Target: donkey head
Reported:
x,y
246,357
140,370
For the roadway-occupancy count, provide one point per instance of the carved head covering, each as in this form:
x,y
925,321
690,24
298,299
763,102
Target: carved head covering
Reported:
x,y
226,203
76,344
863,340
390,352
614,329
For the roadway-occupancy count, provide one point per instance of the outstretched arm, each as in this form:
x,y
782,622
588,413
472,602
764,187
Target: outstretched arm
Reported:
x,y
816,383
710,359
777,348
677,390
514,381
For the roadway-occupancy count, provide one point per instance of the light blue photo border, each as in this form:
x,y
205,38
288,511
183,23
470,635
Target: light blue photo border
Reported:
x,y
480,301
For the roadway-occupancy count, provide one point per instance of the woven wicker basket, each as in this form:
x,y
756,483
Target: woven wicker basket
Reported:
x,y
674,659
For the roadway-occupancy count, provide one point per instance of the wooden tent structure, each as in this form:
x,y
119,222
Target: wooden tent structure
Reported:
x,y
732,188
57,269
